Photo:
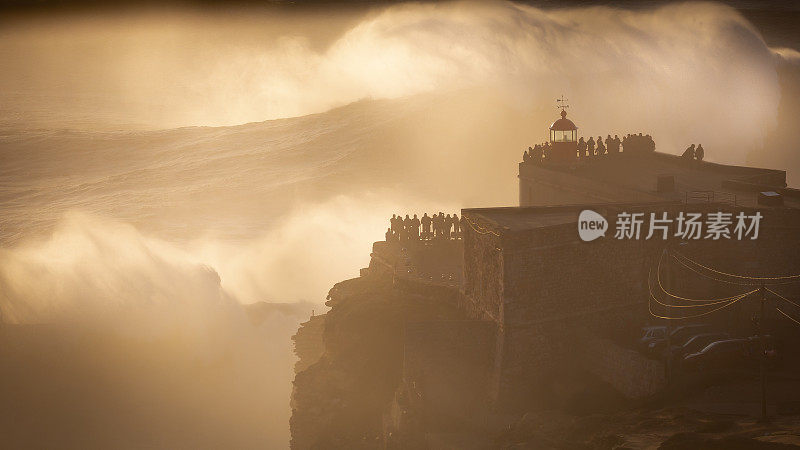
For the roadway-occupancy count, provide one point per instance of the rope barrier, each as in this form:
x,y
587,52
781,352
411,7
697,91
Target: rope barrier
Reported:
x,y
728,281
661,286
728,300
479,229
785,277
704,305
709,276
649,307
787,316
782,297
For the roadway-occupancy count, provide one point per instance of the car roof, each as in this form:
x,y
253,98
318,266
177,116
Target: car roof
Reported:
x,y
719,333
692,325
726,341
712,333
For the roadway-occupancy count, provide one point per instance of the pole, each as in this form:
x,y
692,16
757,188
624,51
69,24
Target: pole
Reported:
x,y
762,355
668,362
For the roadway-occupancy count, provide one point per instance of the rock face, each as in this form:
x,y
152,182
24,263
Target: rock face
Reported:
x,y
339,401
308,343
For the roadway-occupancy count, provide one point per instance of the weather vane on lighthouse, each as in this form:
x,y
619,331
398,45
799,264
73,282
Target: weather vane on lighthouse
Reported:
x,y
563,136
562,103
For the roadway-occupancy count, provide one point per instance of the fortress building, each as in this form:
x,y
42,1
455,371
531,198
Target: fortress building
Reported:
x,y
524,315
526,269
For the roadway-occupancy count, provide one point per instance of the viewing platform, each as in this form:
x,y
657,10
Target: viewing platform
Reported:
x,y
649,176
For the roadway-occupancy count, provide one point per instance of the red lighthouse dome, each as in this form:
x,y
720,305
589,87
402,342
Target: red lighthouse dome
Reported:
x,y
563,124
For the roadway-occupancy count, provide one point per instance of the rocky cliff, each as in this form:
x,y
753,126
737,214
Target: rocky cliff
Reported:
x,y
339,400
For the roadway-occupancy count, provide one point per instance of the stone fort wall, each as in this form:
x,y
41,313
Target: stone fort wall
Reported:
x,y
544,288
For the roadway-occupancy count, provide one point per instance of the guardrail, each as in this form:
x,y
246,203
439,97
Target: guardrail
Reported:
x,y
710,197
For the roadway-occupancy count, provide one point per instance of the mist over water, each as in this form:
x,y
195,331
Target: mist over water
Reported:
x,y
114,219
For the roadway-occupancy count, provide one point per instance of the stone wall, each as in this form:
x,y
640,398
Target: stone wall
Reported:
x,y
543,186
548,184
549,273
630,373
482,284
546,287
543,287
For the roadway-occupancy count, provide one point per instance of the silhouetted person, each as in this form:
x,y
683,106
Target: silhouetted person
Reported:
x,y
526,155
426,226
689,152
448,224
617,143
389,235
415,227
393,223
546,151
651,144
609,144
401,228
581,147
601,149
537,153
590,147
456,226
699,153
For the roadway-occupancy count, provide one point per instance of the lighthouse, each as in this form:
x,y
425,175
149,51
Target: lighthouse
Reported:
x,y
563,137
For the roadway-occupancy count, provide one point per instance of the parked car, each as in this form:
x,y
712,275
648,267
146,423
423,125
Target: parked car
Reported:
x,y
741,352
696,343
718,355
682,333
678,336
650,334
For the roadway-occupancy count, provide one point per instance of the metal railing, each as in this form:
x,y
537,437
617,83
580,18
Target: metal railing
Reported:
x,y
710,197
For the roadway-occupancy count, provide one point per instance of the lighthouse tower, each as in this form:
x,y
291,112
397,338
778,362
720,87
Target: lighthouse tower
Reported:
x,y
563,137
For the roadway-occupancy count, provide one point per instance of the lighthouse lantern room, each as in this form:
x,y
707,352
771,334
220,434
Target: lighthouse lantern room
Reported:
x,y
563,136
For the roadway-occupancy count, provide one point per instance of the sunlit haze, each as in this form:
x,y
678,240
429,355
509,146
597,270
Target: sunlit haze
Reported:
x,y
161,168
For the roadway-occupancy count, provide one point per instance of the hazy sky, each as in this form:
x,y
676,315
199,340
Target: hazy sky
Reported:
x,y
162,234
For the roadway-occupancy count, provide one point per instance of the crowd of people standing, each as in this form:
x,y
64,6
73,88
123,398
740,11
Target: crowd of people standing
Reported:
x,y
591,147
539,152
437,226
